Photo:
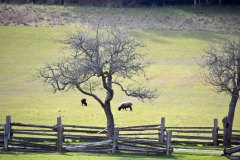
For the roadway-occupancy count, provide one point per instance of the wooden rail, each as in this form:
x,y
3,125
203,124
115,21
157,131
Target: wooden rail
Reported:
x,y
1,136
140,138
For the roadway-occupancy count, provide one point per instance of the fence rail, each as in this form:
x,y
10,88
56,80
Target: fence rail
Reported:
x,y
192,135
156,139
1,136
124,144
32,137
84,133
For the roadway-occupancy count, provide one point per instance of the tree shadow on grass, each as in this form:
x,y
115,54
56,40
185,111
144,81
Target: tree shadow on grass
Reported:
x,y
164,37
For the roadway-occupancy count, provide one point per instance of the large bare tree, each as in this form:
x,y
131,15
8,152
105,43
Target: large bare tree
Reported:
x,y
99,60
222,60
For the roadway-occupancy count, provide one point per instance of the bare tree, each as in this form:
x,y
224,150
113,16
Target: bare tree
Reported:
x,y
98,61
222,60
195,2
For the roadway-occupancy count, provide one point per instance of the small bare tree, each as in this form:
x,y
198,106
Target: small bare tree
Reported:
x,y
222,60
99,60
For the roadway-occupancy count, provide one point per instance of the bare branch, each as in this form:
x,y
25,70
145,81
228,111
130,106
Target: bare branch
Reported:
x,y
139,92
91,85
222,60
90,94
98,57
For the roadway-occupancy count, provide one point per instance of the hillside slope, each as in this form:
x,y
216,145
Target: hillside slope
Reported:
x,y
170,18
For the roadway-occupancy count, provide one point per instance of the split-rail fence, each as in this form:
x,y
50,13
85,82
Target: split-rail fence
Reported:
x,y
151,139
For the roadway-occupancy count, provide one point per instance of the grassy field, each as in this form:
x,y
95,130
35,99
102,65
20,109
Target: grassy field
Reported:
x,y
185,100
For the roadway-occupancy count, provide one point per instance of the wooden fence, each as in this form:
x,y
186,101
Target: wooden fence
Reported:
x,y
105,146
195,135
136,139
84,133
49,138
143,139
59,137
29,137
1,136
156,139
129,140
211,135
235,137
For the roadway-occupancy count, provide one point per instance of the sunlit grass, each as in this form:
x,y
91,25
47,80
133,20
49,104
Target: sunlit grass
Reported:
x,y
84,156
184,100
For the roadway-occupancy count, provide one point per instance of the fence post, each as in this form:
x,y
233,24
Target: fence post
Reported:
x,y
215,133
59,121
5,138
162,130
115,141
8,125
168,145
59,138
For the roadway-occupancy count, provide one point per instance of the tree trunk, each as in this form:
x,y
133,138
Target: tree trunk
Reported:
x,y
195,2
110,120
229,151
220,2
228,121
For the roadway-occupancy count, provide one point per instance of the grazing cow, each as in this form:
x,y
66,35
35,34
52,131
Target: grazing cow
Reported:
x,y
84,102
125,105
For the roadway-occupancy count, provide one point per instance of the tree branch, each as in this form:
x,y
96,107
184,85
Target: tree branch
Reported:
x,y
99,56
139,92
90,94
222,61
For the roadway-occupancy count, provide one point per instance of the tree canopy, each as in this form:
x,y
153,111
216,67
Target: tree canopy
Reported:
x,y
99,60
222,61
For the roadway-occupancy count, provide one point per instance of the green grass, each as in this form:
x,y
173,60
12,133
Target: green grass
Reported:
x,y
199,147
185,100
84,156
